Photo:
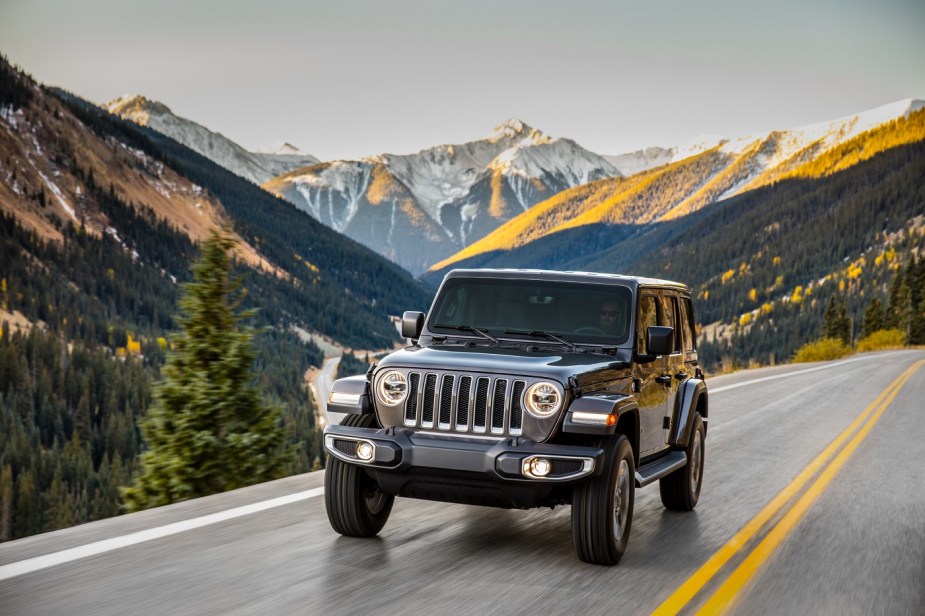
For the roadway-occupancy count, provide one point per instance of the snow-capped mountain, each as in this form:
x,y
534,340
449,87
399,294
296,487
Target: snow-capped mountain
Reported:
x,y
671,182
258,167
754,160
448,196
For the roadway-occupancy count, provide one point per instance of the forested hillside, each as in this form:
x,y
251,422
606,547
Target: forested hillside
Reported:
x,y
98,226
352,290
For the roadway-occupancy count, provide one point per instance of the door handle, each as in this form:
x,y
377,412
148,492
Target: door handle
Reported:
x,y
664,379
681,375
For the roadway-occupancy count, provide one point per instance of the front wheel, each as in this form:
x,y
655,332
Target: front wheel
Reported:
x,y
602,507
356,506
681,489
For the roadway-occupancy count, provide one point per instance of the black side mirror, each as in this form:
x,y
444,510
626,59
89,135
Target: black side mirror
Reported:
x,y
412,323
659,340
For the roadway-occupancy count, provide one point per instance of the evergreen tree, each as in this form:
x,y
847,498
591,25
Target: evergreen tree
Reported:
x,y
208,430
899,310
836,323
915,279
829,321
874,317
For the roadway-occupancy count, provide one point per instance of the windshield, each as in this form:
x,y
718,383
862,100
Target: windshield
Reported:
x,y
578,312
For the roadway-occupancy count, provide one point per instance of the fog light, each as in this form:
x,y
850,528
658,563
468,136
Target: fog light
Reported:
x,y
540,467
365,451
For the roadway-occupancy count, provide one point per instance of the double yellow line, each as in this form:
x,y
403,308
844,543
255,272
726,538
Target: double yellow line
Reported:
x,y
723,598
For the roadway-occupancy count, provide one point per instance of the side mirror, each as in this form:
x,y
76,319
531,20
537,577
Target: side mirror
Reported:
x,y
659,340
411,324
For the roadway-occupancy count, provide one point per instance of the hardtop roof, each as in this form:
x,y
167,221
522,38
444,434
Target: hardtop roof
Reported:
x,y
564,276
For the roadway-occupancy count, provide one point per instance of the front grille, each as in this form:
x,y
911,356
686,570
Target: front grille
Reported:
x,y
427,412
411,408
348,448
562,467
464,403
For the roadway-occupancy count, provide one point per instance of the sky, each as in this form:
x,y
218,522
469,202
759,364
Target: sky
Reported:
x,y
351,78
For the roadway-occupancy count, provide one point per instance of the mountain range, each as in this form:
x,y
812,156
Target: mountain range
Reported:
x,y
419,208
680,181
449,203
65,162
485,195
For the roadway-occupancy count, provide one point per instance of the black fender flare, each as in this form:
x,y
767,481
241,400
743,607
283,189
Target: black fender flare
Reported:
x,y
350,395
690,393
596,410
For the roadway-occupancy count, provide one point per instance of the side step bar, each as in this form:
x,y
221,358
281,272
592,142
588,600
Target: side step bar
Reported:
x,y
661,467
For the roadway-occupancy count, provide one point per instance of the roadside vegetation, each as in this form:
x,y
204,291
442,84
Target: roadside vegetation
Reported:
x,y
899,324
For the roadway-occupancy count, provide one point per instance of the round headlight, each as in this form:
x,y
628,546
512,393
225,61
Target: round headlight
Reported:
x,y
542,399
392,389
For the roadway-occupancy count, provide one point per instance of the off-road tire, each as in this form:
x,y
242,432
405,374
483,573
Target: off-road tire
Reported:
x,y
355,505
681,489
597,536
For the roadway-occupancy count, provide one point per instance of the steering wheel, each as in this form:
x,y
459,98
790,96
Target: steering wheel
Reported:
x,y
590,329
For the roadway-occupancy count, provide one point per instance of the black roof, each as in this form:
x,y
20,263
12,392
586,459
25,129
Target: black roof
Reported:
x,y
553,275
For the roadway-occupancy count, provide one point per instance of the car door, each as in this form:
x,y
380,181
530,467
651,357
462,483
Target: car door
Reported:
x,y
675,370
652,395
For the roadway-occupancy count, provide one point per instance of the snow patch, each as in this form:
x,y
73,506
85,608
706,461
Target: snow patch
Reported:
x,y
8,115
59,196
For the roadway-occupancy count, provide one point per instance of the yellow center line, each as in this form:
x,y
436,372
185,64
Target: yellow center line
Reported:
x,y
723,598
680,597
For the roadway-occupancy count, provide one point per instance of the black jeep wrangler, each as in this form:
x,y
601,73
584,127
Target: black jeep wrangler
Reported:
x,y
527,388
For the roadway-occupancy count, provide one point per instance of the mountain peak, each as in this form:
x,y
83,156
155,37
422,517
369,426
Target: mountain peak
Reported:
x,y
130,104
516,129
284,149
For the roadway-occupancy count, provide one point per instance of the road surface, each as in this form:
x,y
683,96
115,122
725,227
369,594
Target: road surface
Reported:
x,y
785,525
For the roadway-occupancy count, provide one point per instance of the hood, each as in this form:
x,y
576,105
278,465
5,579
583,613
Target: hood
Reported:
x,y
550,361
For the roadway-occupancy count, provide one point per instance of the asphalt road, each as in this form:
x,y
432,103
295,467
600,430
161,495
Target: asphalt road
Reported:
x,y
857,545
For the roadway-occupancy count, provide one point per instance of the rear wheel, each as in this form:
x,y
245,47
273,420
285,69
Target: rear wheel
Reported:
x,y
602,507
681,489
356,506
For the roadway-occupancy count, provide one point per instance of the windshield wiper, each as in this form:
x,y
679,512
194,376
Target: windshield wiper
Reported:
x,y
469,328
537,333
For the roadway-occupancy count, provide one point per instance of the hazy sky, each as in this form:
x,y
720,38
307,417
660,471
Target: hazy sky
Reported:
x,y
350,78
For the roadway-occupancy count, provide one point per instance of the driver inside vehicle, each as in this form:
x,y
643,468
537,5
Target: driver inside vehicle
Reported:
x,y
612,319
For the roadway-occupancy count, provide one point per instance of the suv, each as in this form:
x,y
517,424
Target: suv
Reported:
x,y
527,388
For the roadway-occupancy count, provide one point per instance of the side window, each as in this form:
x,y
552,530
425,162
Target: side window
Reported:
x,y
648,315
672,319
687,324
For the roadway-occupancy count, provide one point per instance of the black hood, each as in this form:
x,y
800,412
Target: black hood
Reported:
x,y
549,361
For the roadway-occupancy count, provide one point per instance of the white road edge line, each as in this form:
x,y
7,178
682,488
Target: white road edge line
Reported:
x,y
717,390
37,563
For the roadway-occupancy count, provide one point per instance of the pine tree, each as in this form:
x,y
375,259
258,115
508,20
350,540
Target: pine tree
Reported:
x,y
836,323
915,279
873,317
208,430
899,310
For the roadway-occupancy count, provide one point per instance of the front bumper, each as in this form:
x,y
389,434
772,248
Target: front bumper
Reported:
x,y
465,469
400,450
